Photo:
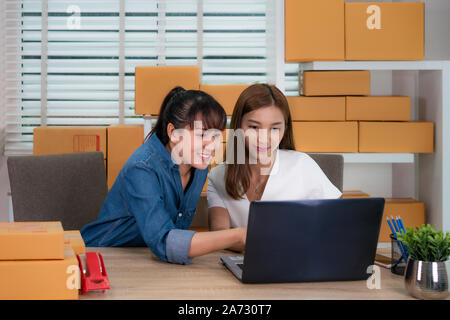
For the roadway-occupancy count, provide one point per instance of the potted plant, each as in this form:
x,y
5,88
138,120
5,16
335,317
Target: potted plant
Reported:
x,y
428,249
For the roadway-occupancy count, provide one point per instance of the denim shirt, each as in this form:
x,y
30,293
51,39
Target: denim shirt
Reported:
x,y
147,206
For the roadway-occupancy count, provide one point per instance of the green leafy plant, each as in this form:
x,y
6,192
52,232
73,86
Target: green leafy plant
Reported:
x,y
425,243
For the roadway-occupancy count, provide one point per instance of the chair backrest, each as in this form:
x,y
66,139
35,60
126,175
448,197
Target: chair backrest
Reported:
x,y
70,188
333,167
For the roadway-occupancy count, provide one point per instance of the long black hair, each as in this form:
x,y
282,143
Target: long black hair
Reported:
x,y
180,107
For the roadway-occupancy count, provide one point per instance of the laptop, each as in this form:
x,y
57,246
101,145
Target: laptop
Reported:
x,y
309,241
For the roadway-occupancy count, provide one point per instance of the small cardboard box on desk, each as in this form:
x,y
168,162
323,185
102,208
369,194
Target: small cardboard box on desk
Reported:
x,y
74,240
35,263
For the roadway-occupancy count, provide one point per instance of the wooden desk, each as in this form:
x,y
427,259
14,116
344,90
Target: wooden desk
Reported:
x,y
134,273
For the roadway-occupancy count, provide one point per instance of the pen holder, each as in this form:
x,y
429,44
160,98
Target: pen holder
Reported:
x,y
398,262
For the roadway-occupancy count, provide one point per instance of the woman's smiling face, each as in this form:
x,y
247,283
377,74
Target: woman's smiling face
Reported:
x,y
195,146
264,128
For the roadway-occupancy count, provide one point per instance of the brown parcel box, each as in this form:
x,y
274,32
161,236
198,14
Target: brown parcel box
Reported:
x,y
384,31
354,194
411,211
326,136
317,108
73,239
336,83
153,83
40,279
396,137
314,30
379,108
226,95
123,140
54,140
31,240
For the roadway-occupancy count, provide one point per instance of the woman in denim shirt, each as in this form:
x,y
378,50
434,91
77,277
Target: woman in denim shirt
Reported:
x,y
155,195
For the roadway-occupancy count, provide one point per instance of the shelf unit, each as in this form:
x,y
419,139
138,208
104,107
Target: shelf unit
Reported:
x,y
431,79
431,86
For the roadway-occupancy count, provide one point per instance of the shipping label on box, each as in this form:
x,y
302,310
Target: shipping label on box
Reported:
x,y
60,140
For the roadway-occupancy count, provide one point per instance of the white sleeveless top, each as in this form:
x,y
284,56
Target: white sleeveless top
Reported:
x,y
294,176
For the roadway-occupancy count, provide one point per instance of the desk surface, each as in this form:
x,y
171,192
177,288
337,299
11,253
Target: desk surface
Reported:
x,y
134,273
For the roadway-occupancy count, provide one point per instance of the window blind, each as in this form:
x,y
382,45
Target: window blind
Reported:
x,y
72,62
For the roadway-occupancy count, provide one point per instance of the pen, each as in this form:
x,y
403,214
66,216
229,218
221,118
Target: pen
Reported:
x,y
400,245
399,219
390,226
402,226
394,222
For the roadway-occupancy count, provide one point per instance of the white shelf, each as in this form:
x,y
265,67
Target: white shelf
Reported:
x,y
374,65
378,157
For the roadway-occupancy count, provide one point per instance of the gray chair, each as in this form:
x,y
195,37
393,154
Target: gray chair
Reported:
x,y
333,167
70,188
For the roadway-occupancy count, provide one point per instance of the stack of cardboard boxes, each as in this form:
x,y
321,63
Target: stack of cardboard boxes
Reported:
x,y
38,261
336,112
330,30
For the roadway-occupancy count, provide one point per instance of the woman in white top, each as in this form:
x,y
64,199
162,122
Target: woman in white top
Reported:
x,y
261,164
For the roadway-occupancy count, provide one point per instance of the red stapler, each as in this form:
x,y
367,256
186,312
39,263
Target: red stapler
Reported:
x,y
93,272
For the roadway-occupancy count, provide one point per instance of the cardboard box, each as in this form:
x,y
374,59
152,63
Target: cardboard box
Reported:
x,y
354,194
326,136
153,83
317,108
336,83
123,140
379,108
55,140
411,211
226,95
396,137
40,279
31,240
384,31
74,240
314,30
